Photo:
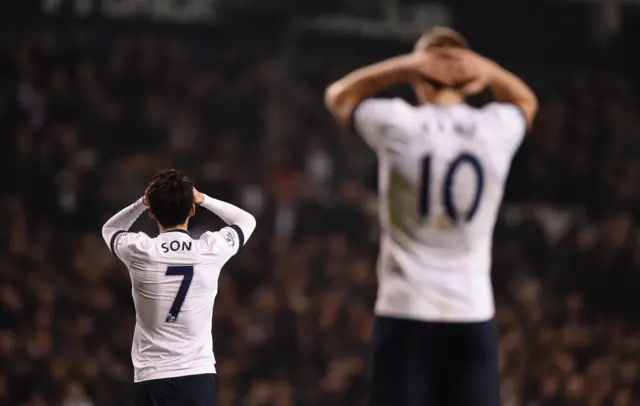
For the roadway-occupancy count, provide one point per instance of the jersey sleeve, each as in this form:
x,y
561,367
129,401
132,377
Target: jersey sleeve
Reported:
x,y
371,118
510,126
124,244
116,235
226,242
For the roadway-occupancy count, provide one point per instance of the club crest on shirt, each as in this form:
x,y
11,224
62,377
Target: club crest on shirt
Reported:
x,y
229,238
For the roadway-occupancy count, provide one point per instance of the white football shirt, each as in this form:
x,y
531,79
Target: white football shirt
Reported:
x,y
442,171
174,284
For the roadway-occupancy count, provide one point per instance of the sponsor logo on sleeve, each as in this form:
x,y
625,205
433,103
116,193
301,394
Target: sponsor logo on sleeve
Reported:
x,y
229,237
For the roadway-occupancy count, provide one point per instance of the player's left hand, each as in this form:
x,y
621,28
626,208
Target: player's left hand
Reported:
x,y
442,66
479,69
198,198
145,199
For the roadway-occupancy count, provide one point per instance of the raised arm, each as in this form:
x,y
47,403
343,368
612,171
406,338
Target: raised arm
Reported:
x,y
241,221
343,96
505,86
509,88
121,222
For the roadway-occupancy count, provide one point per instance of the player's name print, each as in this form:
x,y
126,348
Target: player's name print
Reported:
x,y
176,246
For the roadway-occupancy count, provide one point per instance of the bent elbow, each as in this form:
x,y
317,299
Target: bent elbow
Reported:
x,y
106,234
251,222
331,96
246,227
340,103
530,110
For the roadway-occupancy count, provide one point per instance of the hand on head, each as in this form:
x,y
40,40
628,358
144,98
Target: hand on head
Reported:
x,y
478,70
455,67
198,198
145,200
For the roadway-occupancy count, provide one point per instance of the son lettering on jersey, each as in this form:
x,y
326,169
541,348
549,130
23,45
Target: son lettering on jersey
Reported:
x,y
176,246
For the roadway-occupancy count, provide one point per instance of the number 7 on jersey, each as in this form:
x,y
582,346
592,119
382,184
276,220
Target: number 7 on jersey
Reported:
x,y
187,273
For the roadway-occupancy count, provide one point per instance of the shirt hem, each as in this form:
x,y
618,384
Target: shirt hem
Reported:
x,y
434,318
174,373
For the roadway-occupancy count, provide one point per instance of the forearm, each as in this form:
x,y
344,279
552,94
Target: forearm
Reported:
x,y
231,215
123,220
344,95
509,88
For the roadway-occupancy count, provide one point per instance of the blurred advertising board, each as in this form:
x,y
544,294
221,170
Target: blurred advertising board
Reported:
x,y
188,11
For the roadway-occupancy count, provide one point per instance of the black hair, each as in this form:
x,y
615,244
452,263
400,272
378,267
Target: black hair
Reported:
x,y
170,197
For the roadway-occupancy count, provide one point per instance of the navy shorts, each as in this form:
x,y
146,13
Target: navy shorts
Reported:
x,y
418,363
192,390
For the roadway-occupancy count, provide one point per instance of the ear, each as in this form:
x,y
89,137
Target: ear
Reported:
x,y
193,210
151,213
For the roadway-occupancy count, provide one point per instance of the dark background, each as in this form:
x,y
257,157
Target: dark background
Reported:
x,y
92,104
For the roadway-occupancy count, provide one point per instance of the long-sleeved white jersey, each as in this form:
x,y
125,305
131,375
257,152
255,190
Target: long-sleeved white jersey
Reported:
x,y
442,171
174,284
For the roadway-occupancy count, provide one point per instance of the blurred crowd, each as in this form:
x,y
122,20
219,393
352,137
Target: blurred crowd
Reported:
x,y
88,115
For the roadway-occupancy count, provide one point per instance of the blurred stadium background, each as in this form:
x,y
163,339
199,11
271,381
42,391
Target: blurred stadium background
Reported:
x,y
95,95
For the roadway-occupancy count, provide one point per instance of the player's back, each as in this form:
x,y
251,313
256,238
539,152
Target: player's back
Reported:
x,y
174,284
441,180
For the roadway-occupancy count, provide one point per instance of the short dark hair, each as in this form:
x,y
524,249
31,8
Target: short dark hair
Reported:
x,y
170,197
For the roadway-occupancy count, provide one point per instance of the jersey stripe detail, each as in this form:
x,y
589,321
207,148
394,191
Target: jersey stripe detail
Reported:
x,y
238,231
113,241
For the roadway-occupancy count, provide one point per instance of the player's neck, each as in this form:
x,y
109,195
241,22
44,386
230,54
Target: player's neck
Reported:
x,y
447,98
179,227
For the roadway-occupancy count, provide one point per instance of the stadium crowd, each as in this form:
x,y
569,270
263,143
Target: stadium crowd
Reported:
x,y
87,116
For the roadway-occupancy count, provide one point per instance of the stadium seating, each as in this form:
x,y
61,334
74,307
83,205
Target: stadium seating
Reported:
x,y
87,116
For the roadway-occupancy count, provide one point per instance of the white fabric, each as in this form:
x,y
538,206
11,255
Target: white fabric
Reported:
x,y
434,263
167,344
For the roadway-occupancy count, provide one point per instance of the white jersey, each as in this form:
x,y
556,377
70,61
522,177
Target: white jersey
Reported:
x,y
174,284
442,171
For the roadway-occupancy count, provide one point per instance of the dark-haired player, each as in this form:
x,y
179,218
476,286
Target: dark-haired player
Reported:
x,y
442,169
175,281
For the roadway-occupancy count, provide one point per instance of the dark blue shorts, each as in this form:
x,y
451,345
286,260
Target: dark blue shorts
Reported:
x,y
419,363
192,390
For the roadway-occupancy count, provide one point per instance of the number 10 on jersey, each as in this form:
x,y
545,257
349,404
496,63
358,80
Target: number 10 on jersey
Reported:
x,y
451,211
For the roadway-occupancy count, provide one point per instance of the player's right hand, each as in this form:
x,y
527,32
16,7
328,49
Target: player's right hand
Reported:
x,y
441,65
478,69
198,198
145,199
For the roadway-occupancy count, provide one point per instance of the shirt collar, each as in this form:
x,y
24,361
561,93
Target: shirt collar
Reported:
x,y
177,230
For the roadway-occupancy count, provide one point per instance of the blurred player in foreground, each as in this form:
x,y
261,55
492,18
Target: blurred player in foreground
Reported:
x,y
442,170
175,281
